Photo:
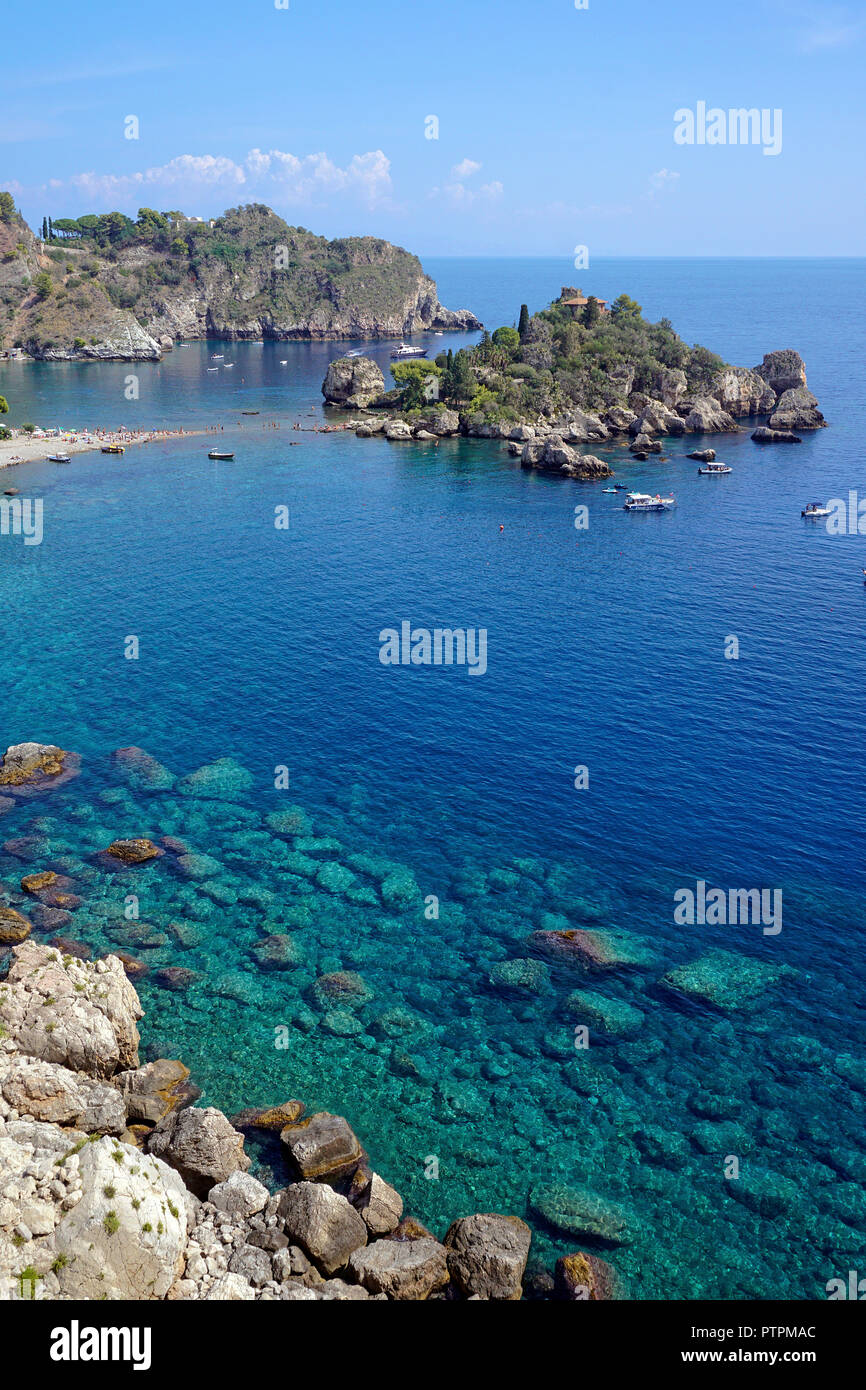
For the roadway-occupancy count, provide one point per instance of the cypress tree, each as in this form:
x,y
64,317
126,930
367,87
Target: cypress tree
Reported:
x,y
523,323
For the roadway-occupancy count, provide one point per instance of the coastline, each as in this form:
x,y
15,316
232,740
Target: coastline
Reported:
x,y
24,449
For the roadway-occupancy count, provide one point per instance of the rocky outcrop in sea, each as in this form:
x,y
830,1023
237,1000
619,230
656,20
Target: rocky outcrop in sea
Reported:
x,y
776,389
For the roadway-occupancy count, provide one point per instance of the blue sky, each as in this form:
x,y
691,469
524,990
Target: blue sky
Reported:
x,y
555,124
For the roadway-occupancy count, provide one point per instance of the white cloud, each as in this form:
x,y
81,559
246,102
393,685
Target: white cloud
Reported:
x,y
661,180
267,174
465,169
456,192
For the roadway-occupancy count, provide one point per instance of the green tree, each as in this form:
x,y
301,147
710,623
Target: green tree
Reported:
x,y
7,207
592,312
461,381
67,226
4,406
45,229
507,338
413,379
625,308
523,322
42,284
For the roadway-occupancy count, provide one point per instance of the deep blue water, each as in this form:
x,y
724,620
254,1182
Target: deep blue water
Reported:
x,y
605,649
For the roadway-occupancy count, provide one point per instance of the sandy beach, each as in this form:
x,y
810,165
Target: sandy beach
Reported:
x,y
24,449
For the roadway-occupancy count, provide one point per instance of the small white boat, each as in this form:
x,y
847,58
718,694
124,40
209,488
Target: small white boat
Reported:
x,y
715,469
216,357
219,454
356,352
646,502
58,458
407,350
284,361
226,365
213,369
815,509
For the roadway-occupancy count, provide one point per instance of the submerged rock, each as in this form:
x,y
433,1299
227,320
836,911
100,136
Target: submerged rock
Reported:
x,y
581,1276
520,976
764,1192
143,771
725,980
581,1213
610,1016
592,949
344,988
277,952
272,1118
223,780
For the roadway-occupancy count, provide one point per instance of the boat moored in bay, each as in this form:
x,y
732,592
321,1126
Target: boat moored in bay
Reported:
x,y
646,502
815,509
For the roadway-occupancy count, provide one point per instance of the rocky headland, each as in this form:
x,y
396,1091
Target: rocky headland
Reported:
x,y
110,288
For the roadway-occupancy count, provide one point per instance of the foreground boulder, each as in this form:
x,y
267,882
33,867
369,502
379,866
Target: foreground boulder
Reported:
x,y
90,1023
322,1147
411,1269
54,1094
201,1145
487,1255
355,382
323,1223
153,1091
125,1237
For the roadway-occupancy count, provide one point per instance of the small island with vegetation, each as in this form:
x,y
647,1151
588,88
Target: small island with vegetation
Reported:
x,y
107,287
579,372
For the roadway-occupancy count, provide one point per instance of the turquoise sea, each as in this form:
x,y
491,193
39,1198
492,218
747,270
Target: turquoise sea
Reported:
x,y
606,649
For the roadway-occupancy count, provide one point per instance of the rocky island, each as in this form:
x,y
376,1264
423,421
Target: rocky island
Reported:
x,y
107,287
578,374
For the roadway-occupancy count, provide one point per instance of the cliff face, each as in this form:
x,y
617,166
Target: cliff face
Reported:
x,y
53,305
248,275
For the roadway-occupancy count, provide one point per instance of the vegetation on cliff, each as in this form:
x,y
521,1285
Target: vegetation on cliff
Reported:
x,y
95,279
560,361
